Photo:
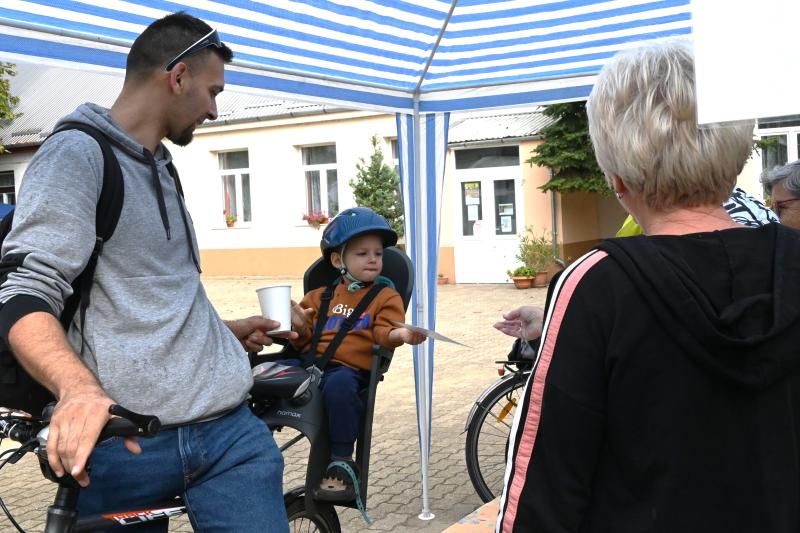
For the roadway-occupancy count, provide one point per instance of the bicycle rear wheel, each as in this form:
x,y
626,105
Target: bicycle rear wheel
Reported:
x,y
487,435
325,520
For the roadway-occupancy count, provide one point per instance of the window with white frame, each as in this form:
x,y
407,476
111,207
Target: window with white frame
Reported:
x,y
321,179
8,195
234,171
780,141
395,155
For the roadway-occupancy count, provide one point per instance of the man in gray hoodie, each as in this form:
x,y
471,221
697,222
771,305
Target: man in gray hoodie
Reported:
x,y
151,340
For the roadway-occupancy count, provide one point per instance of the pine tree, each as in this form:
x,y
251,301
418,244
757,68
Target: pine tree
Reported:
x,y
7,102
567,150
376,186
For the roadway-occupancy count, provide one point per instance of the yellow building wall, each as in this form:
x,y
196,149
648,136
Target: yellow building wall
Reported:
x,y
283,262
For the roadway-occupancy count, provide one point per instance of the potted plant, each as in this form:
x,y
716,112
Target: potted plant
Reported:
x,y
315,219
442,279
535,253
230,219
522,277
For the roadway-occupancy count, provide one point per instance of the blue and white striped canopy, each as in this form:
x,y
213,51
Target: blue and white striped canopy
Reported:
x,y
452,54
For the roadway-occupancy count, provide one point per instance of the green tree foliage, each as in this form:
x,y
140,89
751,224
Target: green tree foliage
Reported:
x,y
567,150
7,102
377,186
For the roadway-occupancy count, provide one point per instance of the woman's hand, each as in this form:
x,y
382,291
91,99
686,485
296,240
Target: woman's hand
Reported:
x,y
524,322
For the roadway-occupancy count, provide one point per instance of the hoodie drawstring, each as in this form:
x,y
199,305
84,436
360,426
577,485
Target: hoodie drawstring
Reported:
x,y
162,206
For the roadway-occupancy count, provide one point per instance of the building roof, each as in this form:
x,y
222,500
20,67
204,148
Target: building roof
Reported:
x,y
48,93
496,125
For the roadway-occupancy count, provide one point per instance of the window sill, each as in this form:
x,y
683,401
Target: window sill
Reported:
x,y
223,228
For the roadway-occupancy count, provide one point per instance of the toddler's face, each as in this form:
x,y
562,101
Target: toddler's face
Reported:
x,y
364,257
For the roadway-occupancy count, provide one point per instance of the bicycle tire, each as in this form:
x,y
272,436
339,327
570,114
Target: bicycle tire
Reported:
x,y
325,520
486,444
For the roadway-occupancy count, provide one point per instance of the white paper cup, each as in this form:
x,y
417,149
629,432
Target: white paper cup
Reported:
x,y
276,304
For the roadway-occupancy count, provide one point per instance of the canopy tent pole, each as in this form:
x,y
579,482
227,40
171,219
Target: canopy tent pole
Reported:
x,y
423,354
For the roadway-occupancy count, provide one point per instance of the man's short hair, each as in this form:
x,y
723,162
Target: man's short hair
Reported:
x,y
788,175
643,124
164,39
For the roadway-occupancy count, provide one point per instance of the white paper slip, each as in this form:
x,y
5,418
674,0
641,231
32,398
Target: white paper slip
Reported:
x,y
428,333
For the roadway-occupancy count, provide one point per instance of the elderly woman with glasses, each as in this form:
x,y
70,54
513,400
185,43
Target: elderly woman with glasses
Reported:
x,y
666,389
783,183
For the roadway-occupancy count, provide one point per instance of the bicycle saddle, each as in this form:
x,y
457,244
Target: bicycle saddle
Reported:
x,y
273,380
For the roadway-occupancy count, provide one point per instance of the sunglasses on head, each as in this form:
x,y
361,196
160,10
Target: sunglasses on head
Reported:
x,y
209,39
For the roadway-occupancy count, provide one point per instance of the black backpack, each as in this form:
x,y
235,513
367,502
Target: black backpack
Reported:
x,y
18,390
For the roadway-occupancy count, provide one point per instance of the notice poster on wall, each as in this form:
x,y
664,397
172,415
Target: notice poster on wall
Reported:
x,y
472,193
505,224
472,212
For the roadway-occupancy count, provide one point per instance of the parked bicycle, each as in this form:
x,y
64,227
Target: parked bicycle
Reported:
x,y
489,423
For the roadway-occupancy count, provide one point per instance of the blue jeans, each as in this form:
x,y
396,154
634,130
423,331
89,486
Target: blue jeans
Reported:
x,y
228,471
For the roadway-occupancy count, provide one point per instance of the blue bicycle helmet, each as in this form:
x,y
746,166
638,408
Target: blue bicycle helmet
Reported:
x,y
351,223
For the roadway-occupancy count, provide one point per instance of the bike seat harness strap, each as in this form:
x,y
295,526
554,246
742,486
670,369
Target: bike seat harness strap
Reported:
x,y
348,323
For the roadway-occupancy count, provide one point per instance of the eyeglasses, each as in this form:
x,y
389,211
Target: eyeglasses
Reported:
x,y
209,39
780,206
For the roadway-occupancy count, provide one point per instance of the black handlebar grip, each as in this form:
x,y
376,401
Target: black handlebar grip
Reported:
x,y
146,425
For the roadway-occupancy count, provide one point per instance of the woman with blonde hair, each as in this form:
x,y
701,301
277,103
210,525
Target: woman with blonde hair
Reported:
x,y
664,395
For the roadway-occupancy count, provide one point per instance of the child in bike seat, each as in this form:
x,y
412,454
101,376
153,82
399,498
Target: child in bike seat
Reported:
x,y
353,242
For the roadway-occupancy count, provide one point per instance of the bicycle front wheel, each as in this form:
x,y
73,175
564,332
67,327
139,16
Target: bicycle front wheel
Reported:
x,y
325,520
487,435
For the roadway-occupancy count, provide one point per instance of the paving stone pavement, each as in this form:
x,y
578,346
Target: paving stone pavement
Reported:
x,y
465,313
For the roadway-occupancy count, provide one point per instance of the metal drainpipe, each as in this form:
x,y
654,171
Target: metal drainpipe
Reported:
x,y
554,226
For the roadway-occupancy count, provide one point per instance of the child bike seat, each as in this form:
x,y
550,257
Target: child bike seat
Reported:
x,y
273,380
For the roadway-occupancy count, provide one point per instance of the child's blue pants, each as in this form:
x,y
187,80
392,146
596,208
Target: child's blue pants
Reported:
x,y
340,392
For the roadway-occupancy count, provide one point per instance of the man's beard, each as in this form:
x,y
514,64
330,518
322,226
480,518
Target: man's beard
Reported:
x,y
184,138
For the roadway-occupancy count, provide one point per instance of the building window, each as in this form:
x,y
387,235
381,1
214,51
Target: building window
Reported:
x,y
8,194
498,156
504,207
234,169
774,152
395,155
322,185
471,206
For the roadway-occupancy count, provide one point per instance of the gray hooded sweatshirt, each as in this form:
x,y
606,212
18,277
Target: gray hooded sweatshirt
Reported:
x,y
152,337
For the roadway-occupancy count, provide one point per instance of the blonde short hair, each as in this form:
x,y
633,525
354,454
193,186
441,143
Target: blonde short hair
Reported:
x,y
643,124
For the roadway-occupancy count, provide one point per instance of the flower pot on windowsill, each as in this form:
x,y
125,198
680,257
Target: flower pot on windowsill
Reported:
x,y
540,280
230,223
522,282
442,280
316,219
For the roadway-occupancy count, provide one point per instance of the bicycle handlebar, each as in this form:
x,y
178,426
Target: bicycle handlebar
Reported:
x,y
23,429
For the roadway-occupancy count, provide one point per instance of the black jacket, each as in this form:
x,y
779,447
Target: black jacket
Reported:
x,y
666,395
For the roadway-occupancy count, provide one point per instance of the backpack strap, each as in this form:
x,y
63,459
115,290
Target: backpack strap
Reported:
x,y
344,328
109,207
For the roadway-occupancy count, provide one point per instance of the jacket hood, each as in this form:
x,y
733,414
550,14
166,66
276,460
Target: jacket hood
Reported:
x,y
100,118
728,298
